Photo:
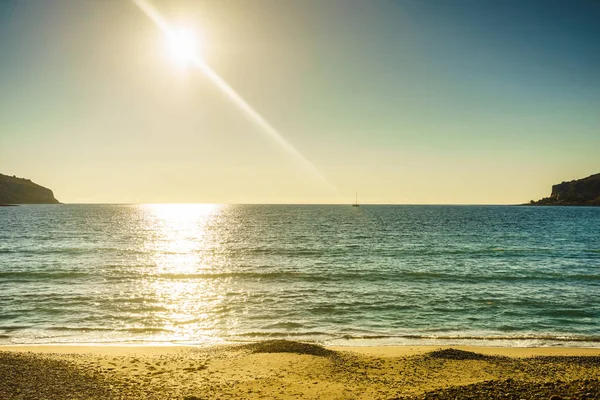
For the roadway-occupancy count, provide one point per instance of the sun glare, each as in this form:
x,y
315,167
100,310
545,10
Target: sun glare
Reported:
x,y
186,50
183,45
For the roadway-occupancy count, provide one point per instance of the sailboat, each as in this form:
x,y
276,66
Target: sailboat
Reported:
x,y
356,204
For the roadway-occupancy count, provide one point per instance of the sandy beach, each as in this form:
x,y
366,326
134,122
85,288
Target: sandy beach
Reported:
x,y
292,370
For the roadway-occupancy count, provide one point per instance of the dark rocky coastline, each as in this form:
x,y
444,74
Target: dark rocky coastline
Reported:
x,y
15,190
581,192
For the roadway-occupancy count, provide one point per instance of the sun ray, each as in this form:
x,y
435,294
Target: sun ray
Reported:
x,y
265,127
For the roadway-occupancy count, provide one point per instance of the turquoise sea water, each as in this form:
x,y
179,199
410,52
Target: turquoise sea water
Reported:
x,y
488,275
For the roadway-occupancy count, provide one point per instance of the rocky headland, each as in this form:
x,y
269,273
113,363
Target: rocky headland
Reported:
x,y
15,190
580,192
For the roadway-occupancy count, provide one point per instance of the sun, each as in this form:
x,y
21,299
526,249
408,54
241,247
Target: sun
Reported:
x,y
183,45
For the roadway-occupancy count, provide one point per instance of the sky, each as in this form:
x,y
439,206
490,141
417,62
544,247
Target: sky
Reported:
x,y
404,102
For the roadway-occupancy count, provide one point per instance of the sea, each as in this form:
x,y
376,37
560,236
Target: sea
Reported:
x,y
204,274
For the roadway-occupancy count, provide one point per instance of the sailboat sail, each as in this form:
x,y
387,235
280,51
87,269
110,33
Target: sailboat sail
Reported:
x,y
356,204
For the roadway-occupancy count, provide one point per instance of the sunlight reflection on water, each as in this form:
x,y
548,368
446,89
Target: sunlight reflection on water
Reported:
x,y
179,238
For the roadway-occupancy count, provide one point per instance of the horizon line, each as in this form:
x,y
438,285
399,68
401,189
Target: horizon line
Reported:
x,y
285,204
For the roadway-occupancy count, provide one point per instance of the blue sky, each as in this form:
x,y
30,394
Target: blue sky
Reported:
x,y
402,101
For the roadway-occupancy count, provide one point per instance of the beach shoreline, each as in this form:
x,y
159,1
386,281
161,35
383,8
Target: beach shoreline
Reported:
x,y
285,370
375,351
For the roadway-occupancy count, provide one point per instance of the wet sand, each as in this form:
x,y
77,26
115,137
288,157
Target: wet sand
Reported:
x,y
292,370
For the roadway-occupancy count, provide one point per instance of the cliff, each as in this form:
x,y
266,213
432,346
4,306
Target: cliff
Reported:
x,y
581,192
15,190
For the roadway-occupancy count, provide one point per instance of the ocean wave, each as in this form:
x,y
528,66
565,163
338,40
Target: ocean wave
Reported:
x,y
43,275
78,329
285,325
316,252
71,251
570,313
102,329
362,276
282,251
14,328
261,334
396,252
297,276
528,337
390,339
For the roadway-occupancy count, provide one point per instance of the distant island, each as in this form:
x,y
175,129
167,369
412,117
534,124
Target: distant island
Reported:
x,y
581,192
15,190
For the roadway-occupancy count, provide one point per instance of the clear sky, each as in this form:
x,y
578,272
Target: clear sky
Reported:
x,y
403,101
